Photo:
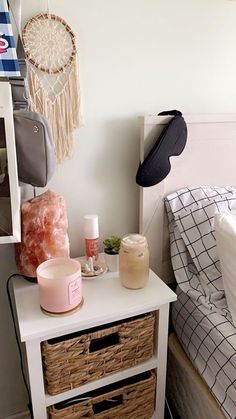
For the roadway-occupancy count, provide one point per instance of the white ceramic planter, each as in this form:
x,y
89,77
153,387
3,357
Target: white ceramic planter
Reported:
x,y
112,262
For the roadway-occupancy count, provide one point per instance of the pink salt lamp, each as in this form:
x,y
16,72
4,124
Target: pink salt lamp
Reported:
x,y
44,232
60,285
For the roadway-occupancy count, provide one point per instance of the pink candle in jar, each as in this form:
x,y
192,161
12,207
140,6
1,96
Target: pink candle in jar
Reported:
x,y
60,285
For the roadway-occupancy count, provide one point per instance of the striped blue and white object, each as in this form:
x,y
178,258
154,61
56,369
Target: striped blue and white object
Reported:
x,y
9,66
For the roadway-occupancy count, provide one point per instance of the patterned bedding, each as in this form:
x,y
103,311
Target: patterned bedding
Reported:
x,y
201,317
209,339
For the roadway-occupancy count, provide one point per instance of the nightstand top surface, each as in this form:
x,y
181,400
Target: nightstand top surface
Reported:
x,y
105,301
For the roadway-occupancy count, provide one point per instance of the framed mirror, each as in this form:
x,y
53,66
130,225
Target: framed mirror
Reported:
x,y
9,189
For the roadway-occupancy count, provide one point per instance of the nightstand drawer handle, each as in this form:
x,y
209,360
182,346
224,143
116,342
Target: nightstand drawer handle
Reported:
x,y
107,404
104,342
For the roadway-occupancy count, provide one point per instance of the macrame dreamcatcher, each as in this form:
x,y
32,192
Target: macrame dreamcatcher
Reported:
x,y
50,50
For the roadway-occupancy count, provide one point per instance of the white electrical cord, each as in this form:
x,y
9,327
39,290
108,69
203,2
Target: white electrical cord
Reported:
x,y
169,411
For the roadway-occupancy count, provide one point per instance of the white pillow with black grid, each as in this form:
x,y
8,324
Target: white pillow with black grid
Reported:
x,y
225,227
183,266
191,212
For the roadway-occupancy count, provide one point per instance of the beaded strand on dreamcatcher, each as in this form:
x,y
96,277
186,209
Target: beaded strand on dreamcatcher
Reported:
x,y
51,53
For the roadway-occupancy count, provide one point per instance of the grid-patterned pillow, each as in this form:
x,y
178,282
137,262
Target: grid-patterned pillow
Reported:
x,y
191,211
182,263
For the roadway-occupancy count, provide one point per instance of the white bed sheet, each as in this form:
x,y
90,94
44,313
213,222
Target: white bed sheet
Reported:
x,y
209,339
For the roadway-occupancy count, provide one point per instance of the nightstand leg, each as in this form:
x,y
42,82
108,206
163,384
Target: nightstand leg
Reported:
x,y
162,340
35,372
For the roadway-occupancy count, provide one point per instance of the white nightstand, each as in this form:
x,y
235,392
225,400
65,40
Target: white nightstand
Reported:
x,y
105,301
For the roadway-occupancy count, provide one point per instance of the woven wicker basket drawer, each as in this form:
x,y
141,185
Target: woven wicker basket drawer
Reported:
x,y
73,360
127,399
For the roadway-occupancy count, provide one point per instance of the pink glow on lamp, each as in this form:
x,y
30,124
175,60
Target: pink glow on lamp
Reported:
x,y
44,232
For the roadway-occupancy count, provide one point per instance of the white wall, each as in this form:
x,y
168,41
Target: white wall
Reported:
x,y
136,57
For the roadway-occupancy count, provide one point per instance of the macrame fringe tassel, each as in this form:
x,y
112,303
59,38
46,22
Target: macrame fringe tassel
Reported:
x,y
64,113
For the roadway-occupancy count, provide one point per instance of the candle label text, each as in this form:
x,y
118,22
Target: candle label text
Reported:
x,y
74,292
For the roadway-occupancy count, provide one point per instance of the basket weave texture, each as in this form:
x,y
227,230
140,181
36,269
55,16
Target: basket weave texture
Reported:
x,y
138,402
71,363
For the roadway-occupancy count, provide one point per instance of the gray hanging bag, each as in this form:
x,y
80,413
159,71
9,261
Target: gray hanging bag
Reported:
x,y
34,148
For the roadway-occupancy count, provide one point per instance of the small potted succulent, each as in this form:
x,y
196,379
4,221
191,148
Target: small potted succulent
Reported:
x,y
111,250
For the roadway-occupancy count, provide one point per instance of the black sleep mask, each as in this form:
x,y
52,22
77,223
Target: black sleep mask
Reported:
x,y
171,142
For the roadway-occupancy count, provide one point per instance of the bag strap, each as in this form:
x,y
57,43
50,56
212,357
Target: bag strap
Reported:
x,y
19,85
14,7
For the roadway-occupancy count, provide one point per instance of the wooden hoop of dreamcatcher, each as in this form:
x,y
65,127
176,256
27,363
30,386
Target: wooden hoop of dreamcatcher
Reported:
x,y
50,49
30,32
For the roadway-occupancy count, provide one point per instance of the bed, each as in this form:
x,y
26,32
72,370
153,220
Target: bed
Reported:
x,y
199,386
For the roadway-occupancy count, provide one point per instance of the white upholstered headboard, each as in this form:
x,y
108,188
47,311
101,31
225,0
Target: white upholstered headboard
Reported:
x,y
209,158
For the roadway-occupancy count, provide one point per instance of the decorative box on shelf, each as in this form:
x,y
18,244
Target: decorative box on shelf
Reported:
x,y
112,319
